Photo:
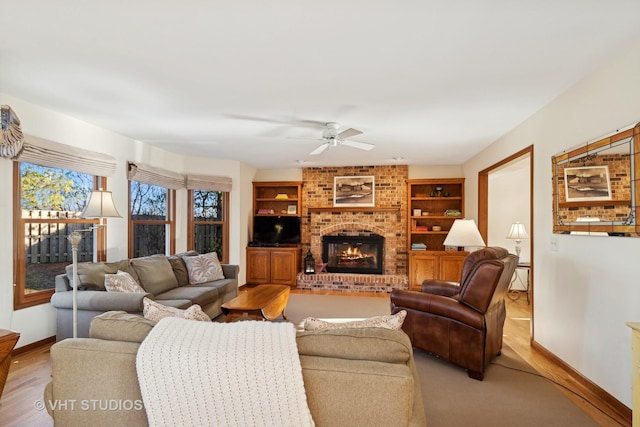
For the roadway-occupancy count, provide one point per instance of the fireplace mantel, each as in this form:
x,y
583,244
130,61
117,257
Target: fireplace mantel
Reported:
x,y
352,209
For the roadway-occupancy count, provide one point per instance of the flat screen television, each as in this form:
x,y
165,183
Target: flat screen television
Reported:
x,y
276,230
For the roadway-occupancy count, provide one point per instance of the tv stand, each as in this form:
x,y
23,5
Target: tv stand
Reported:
x,y
277,265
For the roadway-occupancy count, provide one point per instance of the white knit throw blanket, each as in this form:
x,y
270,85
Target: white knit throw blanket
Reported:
x,y
247,373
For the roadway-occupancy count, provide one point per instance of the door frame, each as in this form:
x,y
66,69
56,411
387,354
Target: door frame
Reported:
x,y
483,211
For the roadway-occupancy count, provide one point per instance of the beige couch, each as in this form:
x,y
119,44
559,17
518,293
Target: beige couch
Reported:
x,y
353,377
164,278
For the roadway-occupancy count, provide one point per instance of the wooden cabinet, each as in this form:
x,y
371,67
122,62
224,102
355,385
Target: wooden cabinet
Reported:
x,y
8,340
273,265
442,265
277,198
635,372
434,204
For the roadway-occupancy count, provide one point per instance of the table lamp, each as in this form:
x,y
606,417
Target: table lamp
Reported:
x,y
464,232
517,233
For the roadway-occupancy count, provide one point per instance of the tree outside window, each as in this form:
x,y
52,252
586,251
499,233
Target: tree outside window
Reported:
x,y
208,222
151,219
49,202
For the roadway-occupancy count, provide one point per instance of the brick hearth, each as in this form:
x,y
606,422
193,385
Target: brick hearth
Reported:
x,y
344,282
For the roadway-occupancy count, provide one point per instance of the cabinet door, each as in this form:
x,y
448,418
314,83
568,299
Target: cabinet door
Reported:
x,y
422,267
450,267
283,267
258,266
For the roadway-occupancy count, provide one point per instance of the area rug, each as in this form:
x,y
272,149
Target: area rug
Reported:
x,y
511,394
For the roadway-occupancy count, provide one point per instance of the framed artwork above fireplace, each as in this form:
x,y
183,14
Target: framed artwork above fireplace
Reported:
x,y
354,191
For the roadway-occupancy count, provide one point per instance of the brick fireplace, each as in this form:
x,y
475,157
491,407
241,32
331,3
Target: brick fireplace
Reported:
x,y
388,219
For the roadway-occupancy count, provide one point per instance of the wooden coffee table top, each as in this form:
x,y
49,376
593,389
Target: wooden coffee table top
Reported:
x,y
264,301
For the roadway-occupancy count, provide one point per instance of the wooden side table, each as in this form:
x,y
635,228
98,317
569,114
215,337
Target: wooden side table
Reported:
x,y
8,340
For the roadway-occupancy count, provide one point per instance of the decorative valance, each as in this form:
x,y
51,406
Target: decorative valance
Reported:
x,y
208,183
11,138
55,155
155,176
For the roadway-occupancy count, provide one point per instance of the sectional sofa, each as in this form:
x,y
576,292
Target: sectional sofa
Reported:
x,y
164,279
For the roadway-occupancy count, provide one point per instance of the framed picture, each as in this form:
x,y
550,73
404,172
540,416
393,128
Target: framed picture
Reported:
x,y
354,191
587,183
292,209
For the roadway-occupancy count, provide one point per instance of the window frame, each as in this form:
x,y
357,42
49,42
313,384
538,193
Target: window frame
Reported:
x,y
170,222
191,223
22,299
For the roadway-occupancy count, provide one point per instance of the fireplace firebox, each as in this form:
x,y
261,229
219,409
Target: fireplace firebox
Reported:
x,y
353,254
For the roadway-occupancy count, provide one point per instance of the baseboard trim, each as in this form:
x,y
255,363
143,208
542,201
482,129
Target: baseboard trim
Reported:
x,y
33,346
614,405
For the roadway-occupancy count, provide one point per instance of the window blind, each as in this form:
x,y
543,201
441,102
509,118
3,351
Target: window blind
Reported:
x,y
155,176
208,183
56,155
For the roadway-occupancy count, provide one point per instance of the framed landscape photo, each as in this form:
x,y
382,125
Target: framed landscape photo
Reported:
x,y
587,183
354,191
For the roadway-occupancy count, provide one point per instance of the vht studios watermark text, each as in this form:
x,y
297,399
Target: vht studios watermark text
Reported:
x,y
90,405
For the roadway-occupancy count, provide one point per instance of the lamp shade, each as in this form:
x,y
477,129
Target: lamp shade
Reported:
x,y
464,232
100,205
517,232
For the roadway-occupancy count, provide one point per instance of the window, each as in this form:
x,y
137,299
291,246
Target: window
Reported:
x,y
151,219
47,204
208,225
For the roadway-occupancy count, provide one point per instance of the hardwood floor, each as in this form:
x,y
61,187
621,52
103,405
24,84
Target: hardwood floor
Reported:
x,y
31,371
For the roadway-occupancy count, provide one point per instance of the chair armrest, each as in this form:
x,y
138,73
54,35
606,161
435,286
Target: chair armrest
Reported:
x,y
440,287
230,271
101,300
437,305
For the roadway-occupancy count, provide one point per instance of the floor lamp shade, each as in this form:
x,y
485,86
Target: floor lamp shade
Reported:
x,y
464,232
100,205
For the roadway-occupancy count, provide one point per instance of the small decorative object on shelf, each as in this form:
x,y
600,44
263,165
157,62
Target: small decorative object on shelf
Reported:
x,y
309,263
418,247
438,191
417,212
436,228
432,194
292,209
282,196
452,212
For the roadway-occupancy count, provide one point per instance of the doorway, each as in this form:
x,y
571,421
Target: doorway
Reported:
x,y
505,196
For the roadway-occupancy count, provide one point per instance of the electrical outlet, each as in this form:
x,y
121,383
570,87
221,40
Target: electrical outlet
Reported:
x,y
554,243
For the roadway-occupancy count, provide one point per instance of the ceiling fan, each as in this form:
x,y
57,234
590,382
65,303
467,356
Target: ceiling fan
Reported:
x,y
333,138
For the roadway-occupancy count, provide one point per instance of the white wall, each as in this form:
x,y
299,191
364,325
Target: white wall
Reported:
x,y
509,201
37,323
588,289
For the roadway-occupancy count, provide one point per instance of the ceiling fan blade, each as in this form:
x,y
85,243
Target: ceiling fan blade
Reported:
x,y
320,149
360,145
348,133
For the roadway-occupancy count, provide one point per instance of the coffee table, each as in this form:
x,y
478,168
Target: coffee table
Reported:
x,y
264,302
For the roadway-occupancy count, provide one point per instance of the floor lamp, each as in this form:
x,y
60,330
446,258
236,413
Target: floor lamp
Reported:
x,y
100,206
464,232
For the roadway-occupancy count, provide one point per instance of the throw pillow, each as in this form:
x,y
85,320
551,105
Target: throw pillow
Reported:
x,y
155,273
393,321
121,282
203,268
153,310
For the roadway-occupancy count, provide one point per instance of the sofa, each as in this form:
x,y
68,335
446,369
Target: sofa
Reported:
x,y
164,279
352,377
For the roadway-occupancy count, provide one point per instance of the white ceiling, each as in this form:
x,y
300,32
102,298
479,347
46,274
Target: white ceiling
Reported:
x,y
430,81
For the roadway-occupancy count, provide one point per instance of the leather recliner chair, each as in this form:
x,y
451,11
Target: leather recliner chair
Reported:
x,y
461,322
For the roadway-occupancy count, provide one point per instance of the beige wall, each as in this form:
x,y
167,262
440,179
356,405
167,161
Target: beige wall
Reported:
x,y
588,289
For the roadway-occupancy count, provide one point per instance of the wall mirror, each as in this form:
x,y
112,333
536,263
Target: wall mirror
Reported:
x,y
595,186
